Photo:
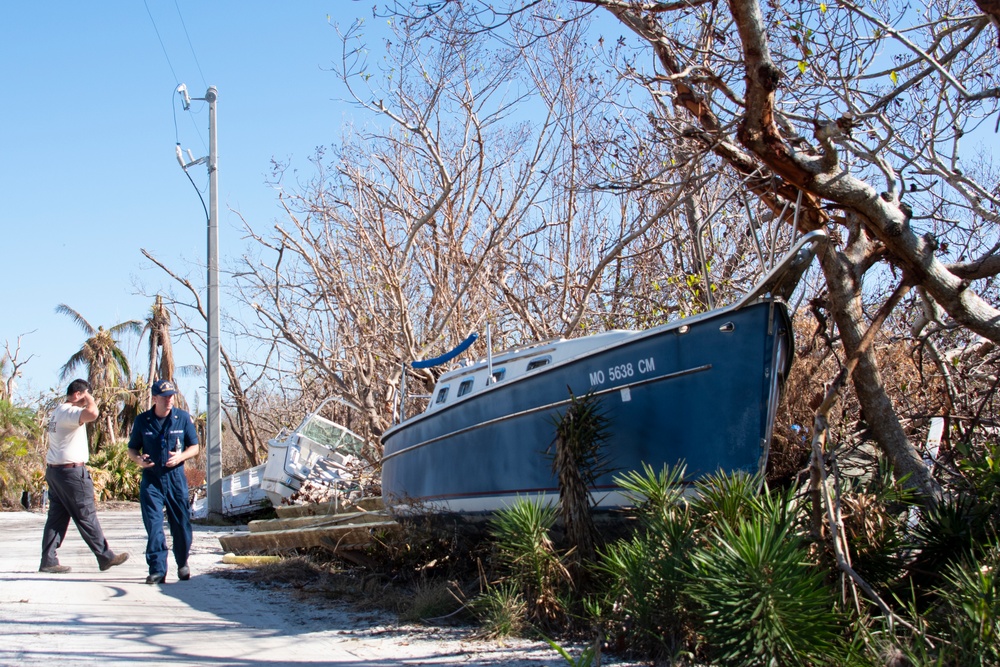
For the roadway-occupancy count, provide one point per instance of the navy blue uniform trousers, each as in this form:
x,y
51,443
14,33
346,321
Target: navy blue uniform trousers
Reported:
x,y
162,493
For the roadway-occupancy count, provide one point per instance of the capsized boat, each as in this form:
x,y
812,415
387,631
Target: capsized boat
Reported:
x,y
317,451
703,390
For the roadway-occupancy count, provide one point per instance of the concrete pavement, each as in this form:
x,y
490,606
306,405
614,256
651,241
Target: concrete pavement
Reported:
x,y
113,618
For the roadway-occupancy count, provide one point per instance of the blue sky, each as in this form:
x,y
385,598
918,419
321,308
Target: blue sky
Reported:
x,y
88,173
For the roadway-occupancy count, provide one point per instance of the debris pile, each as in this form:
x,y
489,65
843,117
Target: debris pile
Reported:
x,y
330,482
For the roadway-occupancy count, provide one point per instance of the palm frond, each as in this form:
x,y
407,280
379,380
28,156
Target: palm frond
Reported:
x,y
87,327
127,327
77,360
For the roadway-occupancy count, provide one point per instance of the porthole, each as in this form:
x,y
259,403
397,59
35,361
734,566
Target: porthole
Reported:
x,y
538,363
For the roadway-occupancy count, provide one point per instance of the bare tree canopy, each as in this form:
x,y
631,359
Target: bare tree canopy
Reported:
x,y
874,122
558,168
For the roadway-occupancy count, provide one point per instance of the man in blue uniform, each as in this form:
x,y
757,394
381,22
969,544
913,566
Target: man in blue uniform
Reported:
x,y
163,438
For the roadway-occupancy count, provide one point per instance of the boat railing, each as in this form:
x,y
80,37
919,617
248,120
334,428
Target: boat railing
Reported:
x,y
430,363
784,277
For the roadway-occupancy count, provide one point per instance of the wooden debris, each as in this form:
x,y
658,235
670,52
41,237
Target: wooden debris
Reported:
x,y
339,532
316,521
335,538
337,506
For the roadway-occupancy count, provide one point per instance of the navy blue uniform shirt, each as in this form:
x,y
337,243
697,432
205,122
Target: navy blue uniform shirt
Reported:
x,y
176,433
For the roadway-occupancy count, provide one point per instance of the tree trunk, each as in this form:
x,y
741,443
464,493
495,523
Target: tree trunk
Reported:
x,y
843,271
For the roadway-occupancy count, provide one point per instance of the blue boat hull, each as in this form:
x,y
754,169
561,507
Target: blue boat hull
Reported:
x,y
702,391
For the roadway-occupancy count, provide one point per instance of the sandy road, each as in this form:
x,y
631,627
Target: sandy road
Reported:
x,y
113,618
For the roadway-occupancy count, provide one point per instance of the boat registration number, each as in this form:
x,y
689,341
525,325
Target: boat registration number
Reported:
x,y
620,372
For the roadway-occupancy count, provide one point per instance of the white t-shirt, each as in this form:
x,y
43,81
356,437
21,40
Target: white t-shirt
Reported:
x,y
67,436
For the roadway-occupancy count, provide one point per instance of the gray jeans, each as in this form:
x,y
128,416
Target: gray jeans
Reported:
x,y
71,496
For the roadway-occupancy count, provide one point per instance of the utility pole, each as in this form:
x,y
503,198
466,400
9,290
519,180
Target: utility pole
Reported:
x,y
213,448
213,425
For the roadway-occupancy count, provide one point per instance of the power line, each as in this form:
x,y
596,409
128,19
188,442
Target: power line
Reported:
x,y
164,48
190,45
171,66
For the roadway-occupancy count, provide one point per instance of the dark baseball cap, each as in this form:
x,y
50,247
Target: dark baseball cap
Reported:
x,y
164,388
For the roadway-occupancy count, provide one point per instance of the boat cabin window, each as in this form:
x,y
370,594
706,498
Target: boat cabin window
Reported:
x,y
538,363
499,374
442,396
465,387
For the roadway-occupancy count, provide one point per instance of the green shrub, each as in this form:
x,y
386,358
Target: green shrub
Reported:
x,y
761,601
21,453
578,460
970,604
653,494
945,535
528,559
646,574
728,498
982,470
500,610
589,655
115,476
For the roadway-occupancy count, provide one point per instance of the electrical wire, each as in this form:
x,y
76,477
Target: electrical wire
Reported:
x,y
190,45
164,48
177,81
208,218
173,105
173,109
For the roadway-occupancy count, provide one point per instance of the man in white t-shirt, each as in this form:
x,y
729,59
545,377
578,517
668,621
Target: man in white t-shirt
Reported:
x,y
71,490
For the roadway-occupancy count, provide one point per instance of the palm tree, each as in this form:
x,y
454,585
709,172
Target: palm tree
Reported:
x,y
161,353
107,367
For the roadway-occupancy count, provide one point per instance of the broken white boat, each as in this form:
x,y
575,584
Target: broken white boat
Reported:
x,y
317,450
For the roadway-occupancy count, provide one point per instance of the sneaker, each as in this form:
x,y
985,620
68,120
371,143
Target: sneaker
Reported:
x,y
155,579
55,569
184,573
117,560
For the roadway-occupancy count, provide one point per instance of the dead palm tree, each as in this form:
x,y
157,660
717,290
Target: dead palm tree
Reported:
x,y
161,351
107,368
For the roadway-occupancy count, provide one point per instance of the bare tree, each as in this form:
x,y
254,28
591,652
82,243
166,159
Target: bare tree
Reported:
x,y
238,405
526,167
855,118
387,255
8,380
506,186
